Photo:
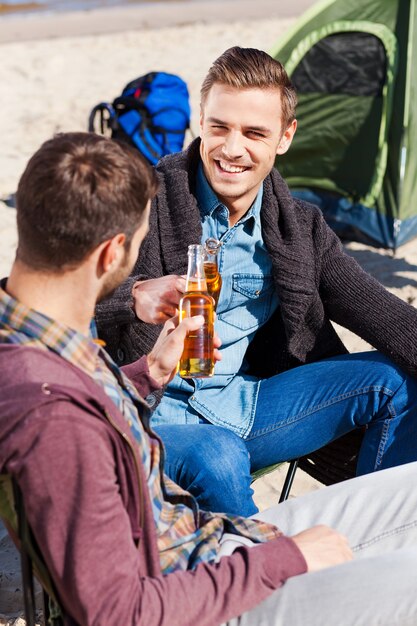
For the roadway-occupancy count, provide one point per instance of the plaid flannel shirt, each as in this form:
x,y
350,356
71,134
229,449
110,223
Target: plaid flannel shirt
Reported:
x,y
186,535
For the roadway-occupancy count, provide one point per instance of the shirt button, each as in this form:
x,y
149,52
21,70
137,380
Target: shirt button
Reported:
x,y
257,292
151,399
120,355
192,398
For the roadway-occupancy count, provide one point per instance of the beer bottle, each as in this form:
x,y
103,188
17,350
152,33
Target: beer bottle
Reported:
x,y
197,360
211,268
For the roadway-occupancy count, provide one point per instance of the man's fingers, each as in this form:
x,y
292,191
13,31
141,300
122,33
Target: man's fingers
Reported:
x,y
323,547
180,284
182,327
192,323
170,298
217,342
217,355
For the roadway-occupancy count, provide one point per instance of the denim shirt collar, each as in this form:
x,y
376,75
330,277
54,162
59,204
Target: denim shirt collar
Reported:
x,y
208,202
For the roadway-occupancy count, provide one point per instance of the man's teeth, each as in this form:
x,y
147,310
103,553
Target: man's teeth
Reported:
x,y
233,169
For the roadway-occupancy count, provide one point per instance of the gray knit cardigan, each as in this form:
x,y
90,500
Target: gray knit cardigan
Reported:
x,y
315,279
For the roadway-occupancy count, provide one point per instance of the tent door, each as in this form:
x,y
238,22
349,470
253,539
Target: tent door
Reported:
x,y
344,75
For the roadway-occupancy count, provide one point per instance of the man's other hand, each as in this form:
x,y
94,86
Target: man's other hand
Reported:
x,y
156,300
322,547
164,357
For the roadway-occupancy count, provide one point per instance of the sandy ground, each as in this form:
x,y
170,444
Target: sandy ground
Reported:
x,y
50,84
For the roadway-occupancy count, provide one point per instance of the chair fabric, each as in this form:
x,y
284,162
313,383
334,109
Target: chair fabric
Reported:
x,y
336,461
331,464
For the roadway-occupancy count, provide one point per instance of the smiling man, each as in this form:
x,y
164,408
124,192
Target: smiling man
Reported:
x,y
285,385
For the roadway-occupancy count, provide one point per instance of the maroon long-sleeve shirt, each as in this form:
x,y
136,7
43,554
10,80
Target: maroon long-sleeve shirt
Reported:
x,y
86,499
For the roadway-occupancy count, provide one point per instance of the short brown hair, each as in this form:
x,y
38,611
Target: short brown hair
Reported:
x,y
246,68
78,190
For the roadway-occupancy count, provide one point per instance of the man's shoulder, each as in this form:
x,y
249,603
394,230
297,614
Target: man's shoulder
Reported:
x,y
277,185
29,362
308,211
28,371
300,213
185,161
39,383
33,384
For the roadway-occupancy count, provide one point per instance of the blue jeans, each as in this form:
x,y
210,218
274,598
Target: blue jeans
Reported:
x,y
297,412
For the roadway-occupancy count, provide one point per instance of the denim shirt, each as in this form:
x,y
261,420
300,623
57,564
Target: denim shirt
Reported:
x,y
247,300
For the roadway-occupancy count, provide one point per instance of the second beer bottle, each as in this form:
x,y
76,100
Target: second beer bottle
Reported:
x,y
197,360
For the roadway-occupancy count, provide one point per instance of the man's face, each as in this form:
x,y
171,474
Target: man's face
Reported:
x,y
128,259
241,134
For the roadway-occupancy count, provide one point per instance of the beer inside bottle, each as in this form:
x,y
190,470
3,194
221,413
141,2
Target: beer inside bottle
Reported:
x,y
197,360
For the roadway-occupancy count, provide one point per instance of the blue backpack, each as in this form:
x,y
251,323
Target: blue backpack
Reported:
x,y
152,114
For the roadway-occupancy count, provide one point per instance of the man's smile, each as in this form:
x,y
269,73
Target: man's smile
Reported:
x,y
229,168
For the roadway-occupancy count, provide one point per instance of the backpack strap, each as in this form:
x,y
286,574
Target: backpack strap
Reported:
x,y
106,116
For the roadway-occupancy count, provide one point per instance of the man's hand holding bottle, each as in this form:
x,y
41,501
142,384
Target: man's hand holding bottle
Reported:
x,y
156,300
167,351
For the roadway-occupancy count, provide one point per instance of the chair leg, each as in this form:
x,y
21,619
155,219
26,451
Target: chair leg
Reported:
x,y
28,591
46,613
25,560
289,479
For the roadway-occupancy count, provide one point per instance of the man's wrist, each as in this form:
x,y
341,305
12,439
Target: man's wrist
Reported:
x,y
155,372
135,287
141,376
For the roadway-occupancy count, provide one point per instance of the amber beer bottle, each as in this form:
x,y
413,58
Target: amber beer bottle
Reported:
x,y
211,268
197,360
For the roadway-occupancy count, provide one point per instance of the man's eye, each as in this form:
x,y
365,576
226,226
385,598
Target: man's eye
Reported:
x,y
255,133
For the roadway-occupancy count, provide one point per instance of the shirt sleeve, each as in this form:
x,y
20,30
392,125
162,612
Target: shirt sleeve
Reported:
x,y
66,470
138,373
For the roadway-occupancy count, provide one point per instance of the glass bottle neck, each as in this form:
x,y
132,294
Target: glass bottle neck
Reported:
x,y
196,278
211,249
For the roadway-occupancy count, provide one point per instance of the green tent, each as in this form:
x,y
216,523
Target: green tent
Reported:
x,y
354,65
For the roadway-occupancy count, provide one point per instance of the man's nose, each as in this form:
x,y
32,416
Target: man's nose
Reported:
x,y
233,146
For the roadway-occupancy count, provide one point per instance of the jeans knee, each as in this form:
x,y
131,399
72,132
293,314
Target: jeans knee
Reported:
x,y
213,464
222,454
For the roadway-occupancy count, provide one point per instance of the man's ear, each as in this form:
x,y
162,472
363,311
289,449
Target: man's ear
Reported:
x,y
287,138
111,252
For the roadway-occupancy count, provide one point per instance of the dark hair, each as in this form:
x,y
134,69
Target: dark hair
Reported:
x,y
246,68
78,190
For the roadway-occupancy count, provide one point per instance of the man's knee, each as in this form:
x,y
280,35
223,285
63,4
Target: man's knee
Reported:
x,y
221,453
212,463
196,447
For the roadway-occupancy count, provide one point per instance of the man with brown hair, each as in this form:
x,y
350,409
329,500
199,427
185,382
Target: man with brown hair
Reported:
x,y
285,385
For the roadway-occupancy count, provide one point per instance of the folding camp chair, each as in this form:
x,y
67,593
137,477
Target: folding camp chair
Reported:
x,y
289,478
12,512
